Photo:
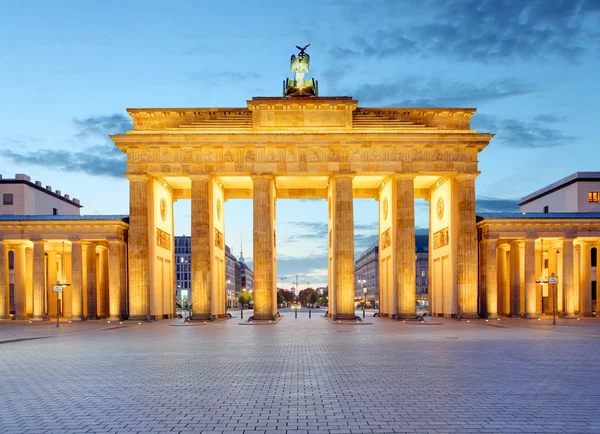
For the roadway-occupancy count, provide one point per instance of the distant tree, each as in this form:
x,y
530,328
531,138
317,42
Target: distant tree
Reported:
x,y
245,298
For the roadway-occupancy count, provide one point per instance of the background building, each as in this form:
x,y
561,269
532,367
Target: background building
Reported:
x,y
366,272
237,274
578,192
20,196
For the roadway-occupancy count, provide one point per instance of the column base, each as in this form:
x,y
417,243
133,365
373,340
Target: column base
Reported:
x,y
530,316
202,317
346,317
467,315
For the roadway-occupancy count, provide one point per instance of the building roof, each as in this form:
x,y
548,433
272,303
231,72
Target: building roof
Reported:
x,y
561,183
124,218
538,215
24,179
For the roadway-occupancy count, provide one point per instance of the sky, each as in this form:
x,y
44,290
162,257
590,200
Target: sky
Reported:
x,y
69,70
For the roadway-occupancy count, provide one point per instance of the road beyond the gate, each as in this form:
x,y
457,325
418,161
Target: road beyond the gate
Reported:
x,y
301,376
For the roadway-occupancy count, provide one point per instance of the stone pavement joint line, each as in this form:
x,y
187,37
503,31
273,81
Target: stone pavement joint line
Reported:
x,y
302,376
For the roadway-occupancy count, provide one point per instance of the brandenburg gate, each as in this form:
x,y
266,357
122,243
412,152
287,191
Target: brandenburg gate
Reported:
x,y
303,146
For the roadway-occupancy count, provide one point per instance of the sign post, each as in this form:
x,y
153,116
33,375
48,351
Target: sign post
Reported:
x,y
57,288
553,280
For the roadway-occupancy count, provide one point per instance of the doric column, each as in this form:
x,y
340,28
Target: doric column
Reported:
x,y
77,281
114,279
529,278
52,280
4,288
264,246
91,280
491,276
515,278
20,281
39,281
585,287
466,247
406,292
568,278
139,256
343,246
102,285
201,276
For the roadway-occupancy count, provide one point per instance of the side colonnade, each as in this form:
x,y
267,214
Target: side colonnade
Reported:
x,y
519,256
87,257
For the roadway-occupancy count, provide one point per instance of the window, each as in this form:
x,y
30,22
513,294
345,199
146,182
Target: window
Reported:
x,y
54,211
546,209
7,199
592,196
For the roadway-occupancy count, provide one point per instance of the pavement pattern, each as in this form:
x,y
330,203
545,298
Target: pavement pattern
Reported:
x,y
301,376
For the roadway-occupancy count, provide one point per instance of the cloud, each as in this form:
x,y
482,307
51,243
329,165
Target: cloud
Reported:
x,y
438,92
483,31
518,133
494,204
103,160
102,126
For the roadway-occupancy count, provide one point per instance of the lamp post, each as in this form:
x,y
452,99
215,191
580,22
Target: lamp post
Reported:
x,y
553,280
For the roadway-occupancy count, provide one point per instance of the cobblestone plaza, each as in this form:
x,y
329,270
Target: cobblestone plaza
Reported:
x,y
301,375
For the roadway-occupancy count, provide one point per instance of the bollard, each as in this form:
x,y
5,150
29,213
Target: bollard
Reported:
x,y
309,314
296,313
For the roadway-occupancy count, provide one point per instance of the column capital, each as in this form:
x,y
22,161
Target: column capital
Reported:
x,y
466,176
342,175
200,176
405,175
268,176
137,176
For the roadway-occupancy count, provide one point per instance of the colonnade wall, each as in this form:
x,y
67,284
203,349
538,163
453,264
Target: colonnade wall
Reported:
x,y
519,255
303,148
89,255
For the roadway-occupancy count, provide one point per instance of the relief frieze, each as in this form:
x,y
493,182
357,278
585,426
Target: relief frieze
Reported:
x,y
441,238
386,239
163,239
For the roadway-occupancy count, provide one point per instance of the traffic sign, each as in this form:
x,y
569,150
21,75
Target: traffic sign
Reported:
x,y
57,288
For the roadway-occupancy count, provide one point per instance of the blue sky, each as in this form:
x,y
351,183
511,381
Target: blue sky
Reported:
x,y
69,69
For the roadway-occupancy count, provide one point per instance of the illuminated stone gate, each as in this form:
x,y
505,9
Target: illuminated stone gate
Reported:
x,y
303,147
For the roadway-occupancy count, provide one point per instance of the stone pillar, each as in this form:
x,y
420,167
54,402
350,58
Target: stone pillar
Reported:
x,y
77,281
102,286
52,280
466,247
491,277
585,287
139,256
501,280
529,277
568,278
200,267
4,287
406,292
264,246
91,281
20,281
39,281
343,246
515,279
114,279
